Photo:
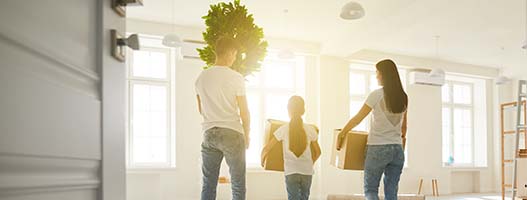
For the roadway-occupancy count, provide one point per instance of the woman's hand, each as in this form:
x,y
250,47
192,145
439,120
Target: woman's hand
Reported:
x,y
340,139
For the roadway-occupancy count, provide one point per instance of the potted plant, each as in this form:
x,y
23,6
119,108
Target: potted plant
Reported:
x,y
233,20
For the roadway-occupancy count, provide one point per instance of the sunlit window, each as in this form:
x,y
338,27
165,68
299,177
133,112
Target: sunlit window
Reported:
x,y
149,108
268,92
458,123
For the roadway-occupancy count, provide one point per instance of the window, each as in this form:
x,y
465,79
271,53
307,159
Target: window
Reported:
x,y
268,92
465,122
363,80
149,108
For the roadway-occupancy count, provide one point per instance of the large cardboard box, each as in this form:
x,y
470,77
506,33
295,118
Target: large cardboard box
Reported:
x,y
352,153
275,158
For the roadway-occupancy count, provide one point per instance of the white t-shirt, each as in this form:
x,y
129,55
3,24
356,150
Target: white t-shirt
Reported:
x,y
292,164
385,127
217,88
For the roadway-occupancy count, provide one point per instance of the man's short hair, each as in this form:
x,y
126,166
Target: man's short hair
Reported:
x,y
226,44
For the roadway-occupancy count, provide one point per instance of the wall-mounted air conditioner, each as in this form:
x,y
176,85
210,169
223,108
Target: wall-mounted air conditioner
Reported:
x,y
188,50
423,77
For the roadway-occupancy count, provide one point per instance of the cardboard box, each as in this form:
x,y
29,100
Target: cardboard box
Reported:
x,y
275,158
352,153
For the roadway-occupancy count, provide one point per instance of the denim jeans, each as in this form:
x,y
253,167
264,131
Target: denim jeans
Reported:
x,y
298,186
219,143
387,160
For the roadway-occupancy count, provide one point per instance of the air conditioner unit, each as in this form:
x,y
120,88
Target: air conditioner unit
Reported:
x,y
188,50
422,77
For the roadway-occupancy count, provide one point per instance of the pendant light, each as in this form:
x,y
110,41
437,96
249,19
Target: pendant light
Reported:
x,y
437,72
172,39
352,11
286,53
502,80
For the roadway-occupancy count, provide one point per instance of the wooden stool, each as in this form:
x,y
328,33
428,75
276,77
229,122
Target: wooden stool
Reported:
x,y
435,187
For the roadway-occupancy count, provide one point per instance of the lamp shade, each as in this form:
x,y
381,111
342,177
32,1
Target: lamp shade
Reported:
x,y
172,40
286,54
351,11
502,80
437,73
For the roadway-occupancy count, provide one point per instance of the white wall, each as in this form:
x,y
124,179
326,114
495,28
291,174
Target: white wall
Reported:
x,y
327,102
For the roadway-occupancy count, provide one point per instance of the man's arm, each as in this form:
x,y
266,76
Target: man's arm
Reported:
x,y
245,116
199,103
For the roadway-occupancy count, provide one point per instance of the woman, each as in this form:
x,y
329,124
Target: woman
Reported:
x,y
386,139
301,150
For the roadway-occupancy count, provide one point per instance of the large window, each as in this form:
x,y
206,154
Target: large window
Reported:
x,y
458,123
464,122
268,92
150,109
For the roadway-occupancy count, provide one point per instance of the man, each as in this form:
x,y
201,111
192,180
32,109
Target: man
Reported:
x,y
222,103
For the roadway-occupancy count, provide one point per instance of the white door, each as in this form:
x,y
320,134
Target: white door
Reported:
x,y
61,101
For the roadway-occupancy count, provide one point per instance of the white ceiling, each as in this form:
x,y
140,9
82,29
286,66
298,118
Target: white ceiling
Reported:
x,y
471,31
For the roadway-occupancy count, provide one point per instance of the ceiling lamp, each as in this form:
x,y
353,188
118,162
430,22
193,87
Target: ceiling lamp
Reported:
x,y
171,39
352,11
286,54
501,80
437,73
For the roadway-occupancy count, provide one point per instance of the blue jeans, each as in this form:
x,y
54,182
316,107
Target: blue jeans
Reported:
x,y
387,160
219,143
298,186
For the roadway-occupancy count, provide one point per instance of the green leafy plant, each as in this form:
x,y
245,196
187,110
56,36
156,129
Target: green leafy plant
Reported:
x,y
233,20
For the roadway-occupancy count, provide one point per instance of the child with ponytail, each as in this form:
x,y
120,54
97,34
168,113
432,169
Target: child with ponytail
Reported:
x,y
301,150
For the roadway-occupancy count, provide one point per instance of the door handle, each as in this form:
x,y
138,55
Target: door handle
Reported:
x,y
119,6
119,44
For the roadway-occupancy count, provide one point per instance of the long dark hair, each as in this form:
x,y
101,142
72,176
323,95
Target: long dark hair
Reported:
x,y
297,134
394,96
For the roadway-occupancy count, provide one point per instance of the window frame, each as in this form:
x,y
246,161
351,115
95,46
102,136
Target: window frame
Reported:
x,y
169,83
451,105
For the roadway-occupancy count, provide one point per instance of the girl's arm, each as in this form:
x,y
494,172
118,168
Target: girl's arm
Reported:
x,y
404,129
267,148
315,151
364,111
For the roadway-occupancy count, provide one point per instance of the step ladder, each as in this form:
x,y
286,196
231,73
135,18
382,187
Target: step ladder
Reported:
x,y
520,127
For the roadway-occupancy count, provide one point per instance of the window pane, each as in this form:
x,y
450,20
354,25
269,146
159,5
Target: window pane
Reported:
x,y
253,80
445,93
447,127
279,75
150,150
149,123
355,106
374,84
357,84
276,106
462,136
257,131
462,94
149,64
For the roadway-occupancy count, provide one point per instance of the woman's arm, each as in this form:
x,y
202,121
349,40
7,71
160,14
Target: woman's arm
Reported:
x,y
267,149
315,151
364,111
404,129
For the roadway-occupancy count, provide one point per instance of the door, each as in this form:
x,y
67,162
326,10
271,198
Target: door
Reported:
x,y
61,101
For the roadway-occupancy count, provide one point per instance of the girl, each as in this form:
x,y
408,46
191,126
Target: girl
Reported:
x,y
300,148
386,139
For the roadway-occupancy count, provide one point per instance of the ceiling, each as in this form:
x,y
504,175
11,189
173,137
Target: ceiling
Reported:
x,y
479,32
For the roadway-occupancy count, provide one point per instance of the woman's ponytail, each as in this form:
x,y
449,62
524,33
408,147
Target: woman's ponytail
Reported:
x,y
297,134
